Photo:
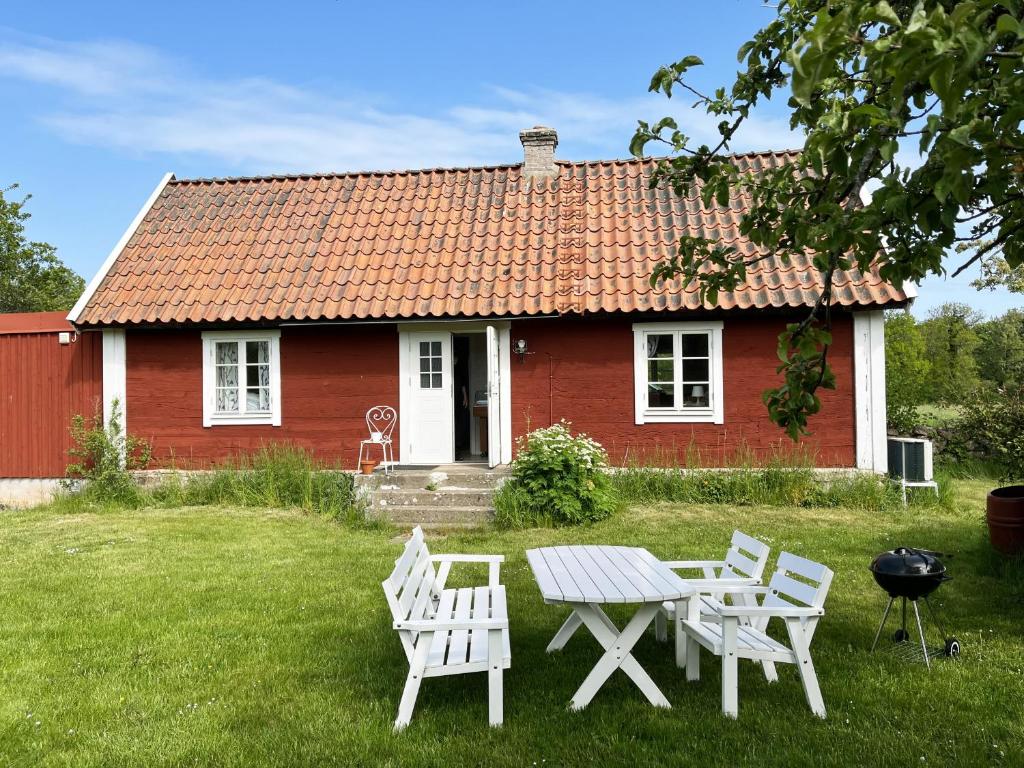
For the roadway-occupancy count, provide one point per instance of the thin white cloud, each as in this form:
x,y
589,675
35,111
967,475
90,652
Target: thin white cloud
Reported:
x,y
121,95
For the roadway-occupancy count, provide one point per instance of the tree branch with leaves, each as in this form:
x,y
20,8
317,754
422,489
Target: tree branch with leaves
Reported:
x,y
920,103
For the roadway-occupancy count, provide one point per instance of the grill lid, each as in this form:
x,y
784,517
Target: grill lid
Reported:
x,y
906,561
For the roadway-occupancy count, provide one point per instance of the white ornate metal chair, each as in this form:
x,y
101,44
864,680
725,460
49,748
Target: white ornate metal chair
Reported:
x,y
380,420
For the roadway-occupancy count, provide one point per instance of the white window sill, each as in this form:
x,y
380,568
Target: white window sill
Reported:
x,y
225,420
679,417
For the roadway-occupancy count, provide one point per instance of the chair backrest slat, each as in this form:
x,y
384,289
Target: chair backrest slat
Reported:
x,y
746,558
411,583
809,590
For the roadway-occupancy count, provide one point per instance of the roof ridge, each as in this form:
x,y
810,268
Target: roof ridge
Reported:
x,y
452,169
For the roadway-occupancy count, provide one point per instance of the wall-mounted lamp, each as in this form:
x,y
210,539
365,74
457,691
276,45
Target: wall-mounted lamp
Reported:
x,y
520,349
64,337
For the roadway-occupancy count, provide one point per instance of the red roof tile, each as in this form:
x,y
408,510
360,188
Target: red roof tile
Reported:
x,y
477,242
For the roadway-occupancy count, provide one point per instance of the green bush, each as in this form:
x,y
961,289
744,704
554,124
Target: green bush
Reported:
x,y
557,479
992,425
103,456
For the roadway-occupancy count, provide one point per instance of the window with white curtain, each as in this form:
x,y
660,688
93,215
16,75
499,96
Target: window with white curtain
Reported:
x,y
241,377
678,372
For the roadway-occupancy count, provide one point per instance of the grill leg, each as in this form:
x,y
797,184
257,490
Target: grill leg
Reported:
x,y
904,624
920,633
885,617
935,618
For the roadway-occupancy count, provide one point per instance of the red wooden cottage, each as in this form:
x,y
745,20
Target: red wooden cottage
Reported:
x,y
245,310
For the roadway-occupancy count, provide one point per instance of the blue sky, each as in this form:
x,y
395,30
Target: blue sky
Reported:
x,y
101,99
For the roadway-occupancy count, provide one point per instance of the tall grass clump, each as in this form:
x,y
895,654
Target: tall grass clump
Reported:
x,y
278,475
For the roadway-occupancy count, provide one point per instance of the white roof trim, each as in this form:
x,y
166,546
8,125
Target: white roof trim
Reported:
x,y
90,289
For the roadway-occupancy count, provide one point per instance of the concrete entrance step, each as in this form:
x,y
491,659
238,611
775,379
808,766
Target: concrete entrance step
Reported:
x,y
434,517
441,496
430,478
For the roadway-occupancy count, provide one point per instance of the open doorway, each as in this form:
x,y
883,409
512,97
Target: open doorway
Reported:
x,y
469,379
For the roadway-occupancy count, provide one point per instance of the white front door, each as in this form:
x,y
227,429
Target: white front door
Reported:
x,y
427,420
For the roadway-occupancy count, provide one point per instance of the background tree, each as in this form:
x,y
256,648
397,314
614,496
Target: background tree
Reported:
x,y
951,339
864,79
32,278
1000,350
908,371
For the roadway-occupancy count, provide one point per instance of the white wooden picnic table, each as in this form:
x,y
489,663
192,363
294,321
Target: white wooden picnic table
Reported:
x,y
587,576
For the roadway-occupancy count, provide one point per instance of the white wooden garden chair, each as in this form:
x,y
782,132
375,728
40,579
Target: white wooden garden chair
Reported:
x,y
796,595
380,421
743,566
447,631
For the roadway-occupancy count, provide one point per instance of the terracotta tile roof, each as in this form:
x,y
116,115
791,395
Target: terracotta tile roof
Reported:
x,y
476,242
34,322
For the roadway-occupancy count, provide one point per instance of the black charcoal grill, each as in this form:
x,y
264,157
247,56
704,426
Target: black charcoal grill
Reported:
x,y
909,574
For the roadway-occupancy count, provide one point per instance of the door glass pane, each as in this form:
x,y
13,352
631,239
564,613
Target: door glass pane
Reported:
x,y
660,396
424,381
696,395
424,349
695,344
431,372
435,364
435,381
695,370
424,365
659,345
435,348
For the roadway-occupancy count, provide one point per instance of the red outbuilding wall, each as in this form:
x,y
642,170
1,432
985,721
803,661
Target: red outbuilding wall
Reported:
x,y
43,384
579,369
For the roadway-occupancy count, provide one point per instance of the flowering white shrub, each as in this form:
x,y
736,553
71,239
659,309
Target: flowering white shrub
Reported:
x,y
557,479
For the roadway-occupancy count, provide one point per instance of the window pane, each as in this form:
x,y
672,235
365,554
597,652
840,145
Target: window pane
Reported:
x,y
227,400
435,348
254,400
660,396
660,370
695,396
424,365
436,384
659,345
264,398
695,345
227,353
424,349
435,364
227,376
257,352
695,370
252,375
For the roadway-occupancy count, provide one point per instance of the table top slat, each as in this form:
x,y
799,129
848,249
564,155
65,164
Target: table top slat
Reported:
x,y
604,574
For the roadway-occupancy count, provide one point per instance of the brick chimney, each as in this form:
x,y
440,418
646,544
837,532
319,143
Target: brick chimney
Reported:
x,y
539,151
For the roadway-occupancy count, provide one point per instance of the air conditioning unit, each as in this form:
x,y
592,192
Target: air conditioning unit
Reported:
x,y
910,459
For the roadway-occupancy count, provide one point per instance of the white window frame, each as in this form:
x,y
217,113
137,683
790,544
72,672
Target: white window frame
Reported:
x,y
211,418
714,413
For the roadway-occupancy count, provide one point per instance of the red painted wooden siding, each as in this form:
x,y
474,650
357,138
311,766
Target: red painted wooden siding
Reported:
x,y
591,364
42,385
331,375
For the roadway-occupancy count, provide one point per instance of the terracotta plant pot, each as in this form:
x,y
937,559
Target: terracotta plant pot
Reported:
x,y
1004,511
367,466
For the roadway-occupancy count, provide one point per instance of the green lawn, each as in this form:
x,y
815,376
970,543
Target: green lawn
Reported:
x,y
229,637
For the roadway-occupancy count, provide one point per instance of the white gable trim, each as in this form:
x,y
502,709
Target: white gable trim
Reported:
x,y
869,389
90,289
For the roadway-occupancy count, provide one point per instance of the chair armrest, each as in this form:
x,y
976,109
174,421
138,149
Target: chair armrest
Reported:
x,y
467,558
720,585
694,564
753,589
438,625
780,611
493,566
